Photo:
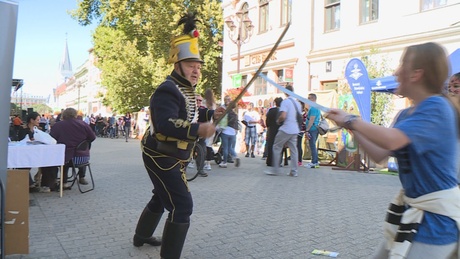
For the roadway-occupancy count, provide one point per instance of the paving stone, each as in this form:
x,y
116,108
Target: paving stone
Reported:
x,y
238,212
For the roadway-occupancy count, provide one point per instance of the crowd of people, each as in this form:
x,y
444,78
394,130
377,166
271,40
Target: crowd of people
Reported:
x,y
45,122
114,126
110,126
423,220
256,128
81,128
65,129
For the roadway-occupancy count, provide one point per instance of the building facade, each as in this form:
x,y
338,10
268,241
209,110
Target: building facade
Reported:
x,y
324,35
26,100
83,91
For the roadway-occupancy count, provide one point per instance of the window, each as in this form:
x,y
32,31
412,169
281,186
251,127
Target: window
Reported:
x,y
245,33
244,80
263,16
260,85
286,11
332,15
280,74
431,4
333,85
369,10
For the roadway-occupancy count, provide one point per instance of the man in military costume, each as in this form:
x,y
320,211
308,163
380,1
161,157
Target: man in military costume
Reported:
x,y
167,147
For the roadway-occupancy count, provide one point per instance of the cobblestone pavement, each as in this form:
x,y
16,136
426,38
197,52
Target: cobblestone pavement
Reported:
x,y
238,212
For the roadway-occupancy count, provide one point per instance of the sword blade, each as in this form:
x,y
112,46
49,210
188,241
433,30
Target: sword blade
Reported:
x,y
240,95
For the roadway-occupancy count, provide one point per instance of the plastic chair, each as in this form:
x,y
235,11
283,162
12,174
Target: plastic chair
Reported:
x,y
83,146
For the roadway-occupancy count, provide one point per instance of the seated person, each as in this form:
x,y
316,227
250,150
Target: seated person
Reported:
x,y
71,132
32,121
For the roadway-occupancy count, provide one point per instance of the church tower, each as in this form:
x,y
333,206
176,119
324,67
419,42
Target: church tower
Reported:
x,y
65,67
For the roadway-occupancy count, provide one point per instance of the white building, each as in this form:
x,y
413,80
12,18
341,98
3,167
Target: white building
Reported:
x,y
82,91
325,35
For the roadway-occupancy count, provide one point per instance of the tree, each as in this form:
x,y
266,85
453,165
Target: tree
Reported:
x,y
41,108
132,44
381,103
234,92
14,109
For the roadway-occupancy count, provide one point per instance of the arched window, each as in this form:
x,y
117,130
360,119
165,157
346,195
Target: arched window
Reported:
x,y
245,34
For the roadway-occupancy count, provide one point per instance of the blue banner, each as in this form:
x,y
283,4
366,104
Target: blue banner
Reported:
x,y
384,84
357,78
454,59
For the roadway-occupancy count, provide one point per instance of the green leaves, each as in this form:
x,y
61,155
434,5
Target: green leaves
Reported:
x,y
381,103
41,108
132,44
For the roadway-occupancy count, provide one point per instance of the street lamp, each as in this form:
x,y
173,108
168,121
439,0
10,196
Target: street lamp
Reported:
x,y
240,32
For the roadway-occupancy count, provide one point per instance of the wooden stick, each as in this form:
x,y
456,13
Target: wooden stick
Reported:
x,y
240,95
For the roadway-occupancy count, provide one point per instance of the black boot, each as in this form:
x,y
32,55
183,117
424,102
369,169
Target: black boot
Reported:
x,y
173,239
148,222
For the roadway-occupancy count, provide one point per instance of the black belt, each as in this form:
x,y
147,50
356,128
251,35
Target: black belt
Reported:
x,y
250,126
173,148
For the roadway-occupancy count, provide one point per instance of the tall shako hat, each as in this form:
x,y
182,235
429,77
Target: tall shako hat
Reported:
x,y
185,47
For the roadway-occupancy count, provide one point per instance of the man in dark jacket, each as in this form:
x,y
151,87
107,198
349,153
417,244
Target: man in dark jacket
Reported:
x,y
272,129
166,151
205,115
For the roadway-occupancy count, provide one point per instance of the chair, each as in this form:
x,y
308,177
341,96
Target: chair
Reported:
x,y
83,146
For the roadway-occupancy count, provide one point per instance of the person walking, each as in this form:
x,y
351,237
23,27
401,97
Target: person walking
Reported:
x,y
313,117
206,115
167,149
287,134
301,134
112,126
423,219
252,118
92,123
127,125
272,129
228,136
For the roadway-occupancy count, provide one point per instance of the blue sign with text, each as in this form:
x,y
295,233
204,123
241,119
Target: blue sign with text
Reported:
x,y
358,79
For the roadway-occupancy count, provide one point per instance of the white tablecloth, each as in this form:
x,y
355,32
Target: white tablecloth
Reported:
x,y
22,156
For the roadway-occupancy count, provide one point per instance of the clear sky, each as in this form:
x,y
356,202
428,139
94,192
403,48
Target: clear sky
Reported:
x,y
42,29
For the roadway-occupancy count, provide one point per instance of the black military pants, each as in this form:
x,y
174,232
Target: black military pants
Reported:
x,y
171,190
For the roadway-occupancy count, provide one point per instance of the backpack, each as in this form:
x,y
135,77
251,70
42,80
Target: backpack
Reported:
x,y
323,126
299,116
